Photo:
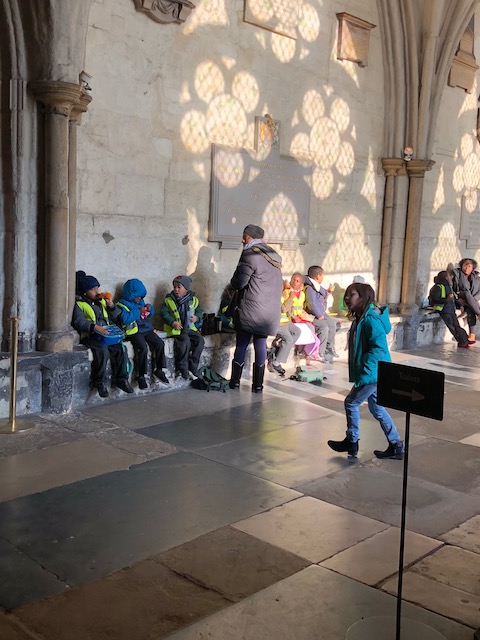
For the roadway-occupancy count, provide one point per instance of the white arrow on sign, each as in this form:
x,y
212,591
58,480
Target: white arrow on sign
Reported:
x,y
413,395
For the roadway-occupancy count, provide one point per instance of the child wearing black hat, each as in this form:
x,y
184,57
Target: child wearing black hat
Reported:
x,y
93,313
180,311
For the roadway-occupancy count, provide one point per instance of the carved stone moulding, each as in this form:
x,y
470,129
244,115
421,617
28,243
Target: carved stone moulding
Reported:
x,y
353,38
165,11
58,97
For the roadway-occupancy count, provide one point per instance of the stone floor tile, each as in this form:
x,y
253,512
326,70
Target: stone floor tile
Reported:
x,y
452,566
135,443
69,462
466,535
231,562
310,528
44,434
373,490
473,440
144,602
10,630
375,559
441,598
90,528
313,604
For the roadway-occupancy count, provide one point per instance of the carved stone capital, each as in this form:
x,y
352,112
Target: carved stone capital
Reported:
x,y
81,107
392,166
58,97
165,11
417,168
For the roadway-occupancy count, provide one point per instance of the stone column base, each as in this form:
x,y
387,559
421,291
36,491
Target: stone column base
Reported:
x,y
55,341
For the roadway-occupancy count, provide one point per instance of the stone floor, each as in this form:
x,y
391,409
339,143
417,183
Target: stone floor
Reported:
x,y
192,515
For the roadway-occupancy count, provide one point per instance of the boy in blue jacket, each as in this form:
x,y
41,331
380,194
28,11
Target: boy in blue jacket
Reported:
x,y
367,346
316,305
136,321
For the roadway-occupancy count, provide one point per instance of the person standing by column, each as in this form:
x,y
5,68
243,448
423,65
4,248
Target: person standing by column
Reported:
x,y
367,346
257,303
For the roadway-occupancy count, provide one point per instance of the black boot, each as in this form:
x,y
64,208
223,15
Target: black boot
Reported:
x,y
344,446
393,451
236,375
258,373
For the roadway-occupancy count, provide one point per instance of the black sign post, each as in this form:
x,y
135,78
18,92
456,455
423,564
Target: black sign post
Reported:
x,y
417,391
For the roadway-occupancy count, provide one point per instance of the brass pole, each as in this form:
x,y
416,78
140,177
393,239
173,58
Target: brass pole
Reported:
x,y
12,425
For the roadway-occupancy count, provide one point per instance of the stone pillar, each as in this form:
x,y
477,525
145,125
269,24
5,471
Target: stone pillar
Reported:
x,y
75,121
58,99
416,173
391,167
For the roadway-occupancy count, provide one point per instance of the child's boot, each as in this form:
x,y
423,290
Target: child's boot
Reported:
x,y
142,383
237,370
394,451
344,446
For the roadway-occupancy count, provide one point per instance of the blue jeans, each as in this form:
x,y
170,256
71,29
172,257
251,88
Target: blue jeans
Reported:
x,y
357,397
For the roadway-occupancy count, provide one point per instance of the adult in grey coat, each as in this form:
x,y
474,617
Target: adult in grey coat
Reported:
x,y
257,303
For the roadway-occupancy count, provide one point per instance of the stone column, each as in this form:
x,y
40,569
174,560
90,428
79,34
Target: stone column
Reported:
x,y
416,172
75,121
58,99
391,167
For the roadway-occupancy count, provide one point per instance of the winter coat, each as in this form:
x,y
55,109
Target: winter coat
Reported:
x,y
171,312
131,311
316,301
258,281
439,297
368,346
88,313
460,282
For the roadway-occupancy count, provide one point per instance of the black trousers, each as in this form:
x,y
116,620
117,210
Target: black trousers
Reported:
x,y
141,342
101,355
188,349
454,327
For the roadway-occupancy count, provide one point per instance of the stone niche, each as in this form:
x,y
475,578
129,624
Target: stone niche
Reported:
x,y
260,187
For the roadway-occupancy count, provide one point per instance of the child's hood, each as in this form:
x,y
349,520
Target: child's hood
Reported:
x,y
134,289
382,314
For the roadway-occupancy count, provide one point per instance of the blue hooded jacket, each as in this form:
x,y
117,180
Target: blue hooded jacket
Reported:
x,y
367,342
135,289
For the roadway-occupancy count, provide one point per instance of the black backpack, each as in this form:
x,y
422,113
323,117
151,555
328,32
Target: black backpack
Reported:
x,y
210,380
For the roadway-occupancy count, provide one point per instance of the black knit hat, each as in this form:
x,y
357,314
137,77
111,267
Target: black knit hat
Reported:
x,y
84,283
254,231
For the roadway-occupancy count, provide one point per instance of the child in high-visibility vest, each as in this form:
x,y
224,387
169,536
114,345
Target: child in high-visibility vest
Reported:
x,y
180,311
442,299
93,314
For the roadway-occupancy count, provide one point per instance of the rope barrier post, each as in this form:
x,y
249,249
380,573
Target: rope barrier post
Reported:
x,y
12,425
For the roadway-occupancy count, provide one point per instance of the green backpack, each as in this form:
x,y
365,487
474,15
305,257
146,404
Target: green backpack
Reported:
x,y
210,380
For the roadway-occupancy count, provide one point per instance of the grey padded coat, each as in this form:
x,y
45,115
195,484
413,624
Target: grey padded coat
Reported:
x,y
258,281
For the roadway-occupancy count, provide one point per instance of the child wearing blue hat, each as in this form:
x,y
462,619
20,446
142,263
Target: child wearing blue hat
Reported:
x,y
93,315
136,321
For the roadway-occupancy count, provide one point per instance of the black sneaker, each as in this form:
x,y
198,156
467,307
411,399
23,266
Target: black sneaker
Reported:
x,y
142,383
124,385
331,351
278,368
158,373
102,390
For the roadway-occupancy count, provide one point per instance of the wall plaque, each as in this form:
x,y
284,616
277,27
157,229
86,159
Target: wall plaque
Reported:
x,y
261,187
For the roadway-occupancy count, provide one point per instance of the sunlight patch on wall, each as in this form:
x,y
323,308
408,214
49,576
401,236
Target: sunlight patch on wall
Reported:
x,y
350,251
207,12
226,122
245,89
192,132
195,243
446,248
209,81
323,183
439,198
283,48
313,107
309,27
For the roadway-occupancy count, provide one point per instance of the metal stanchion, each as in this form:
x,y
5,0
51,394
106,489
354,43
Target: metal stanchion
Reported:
x,y
12,425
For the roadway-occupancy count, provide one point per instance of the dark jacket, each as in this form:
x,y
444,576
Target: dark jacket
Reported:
x,y
315,301
258,281
367,345
439,297
103,314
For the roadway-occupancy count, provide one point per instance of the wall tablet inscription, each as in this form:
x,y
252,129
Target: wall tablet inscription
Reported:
x,y
261,187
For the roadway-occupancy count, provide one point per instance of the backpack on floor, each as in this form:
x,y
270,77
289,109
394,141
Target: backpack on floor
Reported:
x,y
210,380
